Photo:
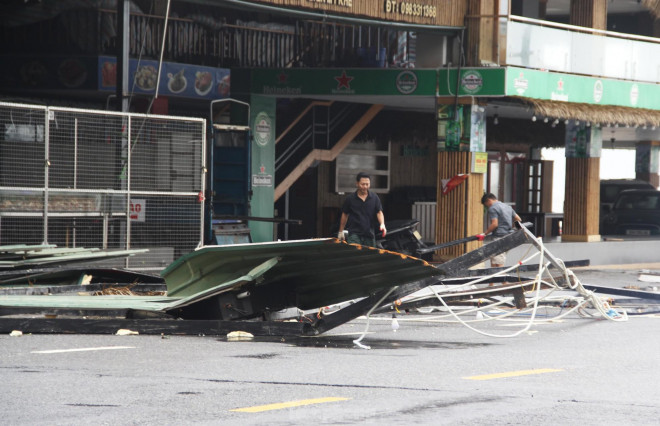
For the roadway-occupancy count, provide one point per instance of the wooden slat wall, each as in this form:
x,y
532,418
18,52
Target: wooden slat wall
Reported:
x,y
448,12
459,213
546,186
582,200
589,13
475,210
482,32
413,171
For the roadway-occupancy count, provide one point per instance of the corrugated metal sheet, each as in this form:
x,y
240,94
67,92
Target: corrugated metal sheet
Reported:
x,y
145,303
308,274
23,256
425,213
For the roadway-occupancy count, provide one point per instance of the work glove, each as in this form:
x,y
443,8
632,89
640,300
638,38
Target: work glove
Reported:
x,y
341,236
382,229
480,237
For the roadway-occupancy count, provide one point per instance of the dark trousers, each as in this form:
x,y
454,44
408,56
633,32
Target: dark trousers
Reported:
x,y
358,239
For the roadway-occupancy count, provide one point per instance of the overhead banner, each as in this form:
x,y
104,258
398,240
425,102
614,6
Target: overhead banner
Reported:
x,y
183,80
579,89
343,82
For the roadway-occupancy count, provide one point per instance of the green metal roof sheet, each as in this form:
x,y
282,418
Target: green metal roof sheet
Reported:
x,y
22,247
67,257
308,274
145,303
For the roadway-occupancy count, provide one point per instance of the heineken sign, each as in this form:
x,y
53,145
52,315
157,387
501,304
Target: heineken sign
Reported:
x,y
344,81
449,82
579,89
472,82
262,129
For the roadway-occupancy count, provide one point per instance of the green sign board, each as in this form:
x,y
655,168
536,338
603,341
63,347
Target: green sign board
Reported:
x,y
472,82
461,128
578,89
583,141
262,176
343,81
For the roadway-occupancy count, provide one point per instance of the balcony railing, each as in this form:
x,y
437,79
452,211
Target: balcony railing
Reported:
x,y
532,43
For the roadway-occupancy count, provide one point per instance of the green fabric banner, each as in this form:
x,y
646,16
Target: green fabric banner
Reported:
x,y
262,175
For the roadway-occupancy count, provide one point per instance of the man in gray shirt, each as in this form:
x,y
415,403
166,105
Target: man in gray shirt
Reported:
x,y
500,223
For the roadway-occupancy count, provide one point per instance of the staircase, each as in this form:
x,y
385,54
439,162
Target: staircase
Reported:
x,y
319,133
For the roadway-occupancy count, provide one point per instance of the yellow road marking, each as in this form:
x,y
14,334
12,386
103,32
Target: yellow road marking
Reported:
x,y
513,374
289,404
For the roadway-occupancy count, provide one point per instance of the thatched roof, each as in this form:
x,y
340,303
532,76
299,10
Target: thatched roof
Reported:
x,y
596,114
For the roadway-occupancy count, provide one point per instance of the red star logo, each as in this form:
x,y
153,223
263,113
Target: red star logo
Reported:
x,y
281,78
262,169
344,81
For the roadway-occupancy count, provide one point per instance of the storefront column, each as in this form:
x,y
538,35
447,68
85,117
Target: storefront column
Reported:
x,y
589,13
582,200
459,212
582,195
462,163
646,162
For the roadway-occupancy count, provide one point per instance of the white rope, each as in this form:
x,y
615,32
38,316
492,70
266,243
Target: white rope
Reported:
x,y
366,329
572,282
517,333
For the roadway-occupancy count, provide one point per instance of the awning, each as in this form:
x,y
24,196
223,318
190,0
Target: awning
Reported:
x,y
602,114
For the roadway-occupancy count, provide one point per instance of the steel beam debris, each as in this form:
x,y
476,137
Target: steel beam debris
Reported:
x,y
235,283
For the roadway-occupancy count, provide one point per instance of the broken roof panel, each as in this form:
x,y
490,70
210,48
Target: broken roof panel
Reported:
x,y
24,256
308,274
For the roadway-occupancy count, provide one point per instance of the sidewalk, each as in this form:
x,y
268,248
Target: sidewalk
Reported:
x,y
607,254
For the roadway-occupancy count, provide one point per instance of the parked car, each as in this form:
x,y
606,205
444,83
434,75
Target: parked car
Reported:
x,y
635,212
610,189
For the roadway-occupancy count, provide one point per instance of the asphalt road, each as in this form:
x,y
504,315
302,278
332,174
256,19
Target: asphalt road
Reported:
x,y
576,371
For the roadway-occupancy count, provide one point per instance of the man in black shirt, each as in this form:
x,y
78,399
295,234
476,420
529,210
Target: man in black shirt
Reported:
x,y
358,213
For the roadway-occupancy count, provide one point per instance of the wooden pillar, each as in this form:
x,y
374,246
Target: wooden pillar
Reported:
x,y
582,200
459,213
482,32
589,13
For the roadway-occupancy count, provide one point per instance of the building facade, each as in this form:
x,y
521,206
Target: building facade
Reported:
x,y
416,92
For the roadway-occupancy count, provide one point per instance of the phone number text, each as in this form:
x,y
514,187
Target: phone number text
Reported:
x,y
409,8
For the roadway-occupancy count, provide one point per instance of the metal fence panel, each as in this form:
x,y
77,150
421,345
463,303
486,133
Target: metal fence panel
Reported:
x,y
98,179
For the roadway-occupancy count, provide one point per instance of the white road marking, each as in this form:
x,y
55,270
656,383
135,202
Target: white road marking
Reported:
x,y
100,348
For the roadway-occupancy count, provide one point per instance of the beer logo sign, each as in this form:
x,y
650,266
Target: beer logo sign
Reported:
x,y
262,129
598,91
472,82
406,82
634,95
